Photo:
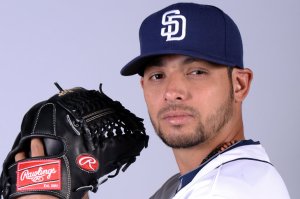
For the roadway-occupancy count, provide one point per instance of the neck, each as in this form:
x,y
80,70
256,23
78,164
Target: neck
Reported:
x,y
189,159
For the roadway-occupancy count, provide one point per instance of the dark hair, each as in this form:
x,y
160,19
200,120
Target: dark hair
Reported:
x,y
229,72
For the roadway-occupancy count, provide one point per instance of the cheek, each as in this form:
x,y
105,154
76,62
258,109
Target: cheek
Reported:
x,y
209,99
152,101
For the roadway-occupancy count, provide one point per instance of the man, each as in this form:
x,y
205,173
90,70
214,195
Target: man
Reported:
x,y
194,83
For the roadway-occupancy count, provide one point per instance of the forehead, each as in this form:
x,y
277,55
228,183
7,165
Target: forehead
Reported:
x,y
164,60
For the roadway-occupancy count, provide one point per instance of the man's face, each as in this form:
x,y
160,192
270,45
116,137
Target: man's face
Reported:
x,y
189,100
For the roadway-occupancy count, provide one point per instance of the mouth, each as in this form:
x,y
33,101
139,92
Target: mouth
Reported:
x,y
177,117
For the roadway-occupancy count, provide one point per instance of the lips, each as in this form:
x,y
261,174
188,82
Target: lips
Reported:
x,y
177,117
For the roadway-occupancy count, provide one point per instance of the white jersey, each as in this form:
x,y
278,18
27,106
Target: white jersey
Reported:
x,y
241,172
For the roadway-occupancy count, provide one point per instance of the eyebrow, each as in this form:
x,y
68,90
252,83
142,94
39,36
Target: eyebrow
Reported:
x,y
189,60
157,61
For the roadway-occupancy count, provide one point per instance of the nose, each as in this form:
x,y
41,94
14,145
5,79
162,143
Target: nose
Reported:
x,y
176,90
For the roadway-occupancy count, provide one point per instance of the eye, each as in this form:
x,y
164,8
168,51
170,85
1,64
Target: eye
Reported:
x,y
156,76
197,72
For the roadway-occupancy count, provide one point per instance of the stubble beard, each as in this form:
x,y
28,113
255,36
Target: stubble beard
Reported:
x,y
203,130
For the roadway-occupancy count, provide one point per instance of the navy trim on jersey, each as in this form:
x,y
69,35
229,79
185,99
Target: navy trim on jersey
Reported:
x,y
253,159
187,178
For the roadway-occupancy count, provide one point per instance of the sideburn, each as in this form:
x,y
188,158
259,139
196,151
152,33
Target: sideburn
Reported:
x,y
229,72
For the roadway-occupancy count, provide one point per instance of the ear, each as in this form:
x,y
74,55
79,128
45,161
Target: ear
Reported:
x,y
241,81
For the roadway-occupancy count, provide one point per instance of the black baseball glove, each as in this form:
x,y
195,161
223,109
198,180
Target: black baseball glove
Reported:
x,y
86,136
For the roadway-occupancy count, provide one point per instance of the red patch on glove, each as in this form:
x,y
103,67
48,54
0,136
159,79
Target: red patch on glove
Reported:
x,y
39,175
87,162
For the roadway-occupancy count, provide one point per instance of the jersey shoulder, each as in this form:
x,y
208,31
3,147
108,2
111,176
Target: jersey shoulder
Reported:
x,y
243,178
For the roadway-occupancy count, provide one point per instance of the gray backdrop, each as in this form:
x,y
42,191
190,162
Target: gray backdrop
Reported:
x,y
83,43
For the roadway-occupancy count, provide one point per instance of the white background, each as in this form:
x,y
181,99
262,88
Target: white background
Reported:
x,y
83,43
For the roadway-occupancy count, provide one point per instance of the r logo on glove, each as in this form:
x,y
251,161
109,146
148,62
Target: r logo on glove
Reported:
x,y
87,162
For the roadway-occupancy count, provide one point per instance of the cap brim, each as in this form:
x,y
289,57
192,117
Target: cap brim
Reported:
x,y
136,66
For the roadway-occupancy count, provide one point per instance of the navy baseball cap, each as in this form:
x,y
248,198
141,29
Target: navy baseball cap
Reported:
x,y
199,31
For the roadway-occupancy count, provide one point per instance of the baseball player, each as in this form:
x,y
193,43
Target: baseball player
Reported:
x,y
194,82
